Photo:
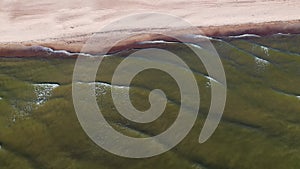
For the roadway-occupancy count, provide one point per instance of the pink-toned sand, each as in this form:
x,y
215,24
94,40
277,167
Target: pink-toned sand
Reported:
x,y
23,20
59,24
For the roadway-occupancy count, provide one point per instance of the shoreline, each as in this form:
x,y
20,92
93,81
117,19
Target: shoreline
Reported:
x,y
71,46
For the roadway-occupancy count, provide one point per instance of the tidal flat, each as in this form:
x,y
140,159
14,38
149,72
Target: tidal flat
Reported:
x,y
259,129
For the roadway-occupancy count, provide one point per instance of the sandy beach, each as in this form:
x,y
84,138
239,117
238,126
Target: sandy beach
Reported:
x,y
67,24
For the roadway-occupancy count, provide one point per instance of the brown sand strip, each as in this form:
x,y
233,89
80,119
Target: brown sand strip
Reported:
x,y
75,44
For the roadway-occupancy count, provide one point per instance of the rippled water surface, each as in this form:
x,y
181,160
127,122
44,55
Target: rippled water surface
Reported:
x,y
260,127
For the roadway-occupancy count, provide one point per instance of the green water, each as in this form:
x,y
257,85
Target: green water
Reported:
x,y
260,127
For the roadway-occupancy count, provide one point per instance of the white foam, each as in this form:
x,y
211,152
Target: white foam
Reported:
x,y
195,36
164,42
108,85
260,61
43,91
195,45
64,52
284,34
287,94
265,49
51,85
208,84
245,35
102,87
211,79
154,42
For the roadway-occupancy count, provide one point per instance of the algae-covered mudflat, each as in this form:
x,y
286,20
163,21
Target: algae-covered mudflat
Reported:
x,y
260,127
